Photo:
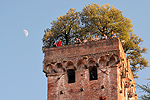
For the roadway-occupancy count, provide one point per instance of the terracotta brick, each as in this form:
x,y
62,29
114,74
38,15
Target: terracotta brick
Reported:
x,y
111,76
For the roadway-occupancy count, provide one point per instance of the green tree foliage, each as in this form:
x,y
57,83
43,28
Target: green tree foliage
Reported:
x,y
103,19
146,90
99,20
134,53
65,28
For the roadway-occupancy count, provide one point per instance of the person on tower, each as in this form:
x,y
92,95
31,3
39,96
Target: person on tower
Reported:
x,y
112,35
77,41
59,43
104,37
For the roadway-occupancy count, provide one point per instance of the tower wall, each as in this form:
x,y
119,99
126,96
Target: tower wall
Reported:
x,y
99,67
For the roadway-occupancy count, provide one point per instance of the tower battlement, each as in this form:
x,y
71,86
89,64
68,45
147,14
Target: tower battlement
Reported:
x,y
97,70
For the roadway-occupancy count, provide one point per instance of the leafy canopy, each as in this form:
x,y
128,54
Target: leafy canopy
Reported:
x,y
146,90
64,28
99,20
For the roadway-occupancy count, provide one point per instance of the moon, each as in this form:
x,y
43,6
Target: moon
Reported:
x,y
25,32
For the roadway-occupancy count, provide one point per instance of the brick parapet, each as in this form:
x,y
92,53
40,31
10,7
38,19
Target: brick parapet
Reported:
x,y
109,58
60,54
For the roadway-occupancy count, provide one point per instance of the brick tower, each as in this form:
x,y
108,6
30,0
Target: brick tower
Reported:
x,y
96,70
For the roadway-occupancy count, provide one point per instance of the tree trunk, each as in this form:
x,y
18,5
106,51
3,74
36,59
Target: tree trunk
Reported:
x,y
66,37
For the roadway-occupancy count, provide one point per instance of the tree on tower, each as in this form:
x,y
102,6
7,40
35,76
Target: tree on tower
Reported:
x,y
97,20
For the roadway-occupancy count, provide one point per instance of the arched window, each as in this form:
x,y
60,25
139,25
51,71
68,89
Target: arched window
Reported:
x,y
112,60
81,65
93,73
60,68
71,75
102,61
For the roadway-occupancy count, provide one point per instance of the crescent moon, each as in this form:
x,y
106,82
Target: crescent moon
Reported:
x,y
25,32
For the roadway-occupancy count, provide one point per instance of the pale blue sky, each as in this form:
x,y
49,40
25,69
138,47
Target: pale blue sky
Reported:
x,y
21,76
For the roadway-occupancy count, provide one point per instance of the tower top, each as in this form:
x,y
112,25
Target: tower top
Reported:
x,y
89,71
63,53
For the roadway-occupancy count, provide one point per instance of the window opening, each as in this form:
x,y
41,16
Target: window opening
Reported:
x,y
121,81
93,73
71,75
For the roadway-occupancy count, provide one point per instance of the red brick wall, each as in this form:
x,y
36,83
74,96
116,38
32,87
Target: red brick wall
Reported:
x,y
102,54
